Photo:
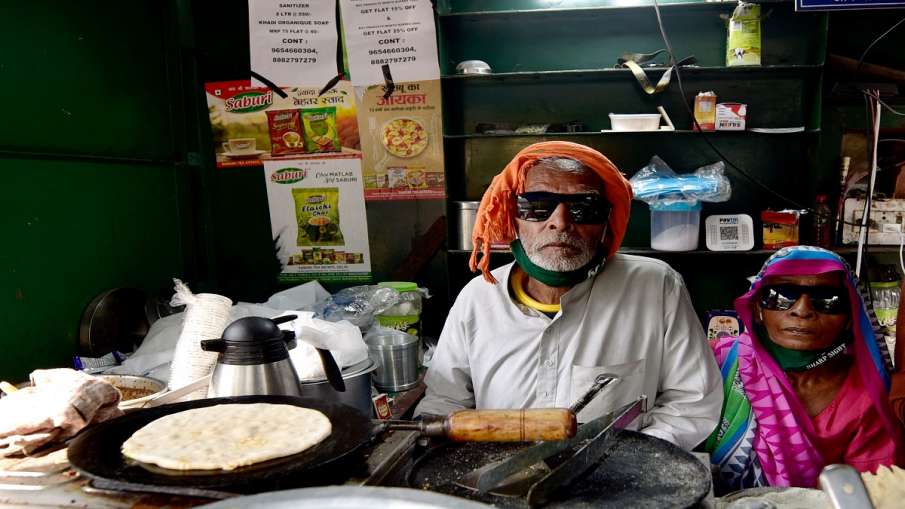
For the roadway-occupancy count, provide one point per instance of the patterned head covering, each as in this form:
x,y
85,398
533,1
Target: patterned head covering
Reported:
x,y
765,436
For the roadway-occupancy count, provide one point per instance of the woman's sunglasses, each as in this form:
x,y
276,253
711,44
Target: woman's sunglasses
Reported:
x,y
828,300
584,208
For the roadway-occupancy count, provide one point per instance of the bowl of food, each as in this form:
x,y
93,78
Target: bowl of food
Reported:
x,y
135,390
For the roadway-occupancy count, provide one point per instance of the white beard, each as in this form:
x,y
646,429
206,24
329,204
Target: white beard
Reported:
x,y
554,259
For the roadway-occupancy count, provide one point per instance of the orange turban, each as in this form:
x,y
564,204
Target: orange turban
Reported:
x,y
495,223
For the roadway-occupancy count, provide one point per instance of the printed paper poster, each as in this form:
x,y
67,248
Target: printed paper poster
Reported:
x,y
252,124
403,142
317,216
293,42
397,33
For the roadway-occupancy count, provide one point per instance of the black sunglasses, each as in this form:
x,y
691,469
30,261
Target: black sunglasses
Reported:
x,y
584,208
828,300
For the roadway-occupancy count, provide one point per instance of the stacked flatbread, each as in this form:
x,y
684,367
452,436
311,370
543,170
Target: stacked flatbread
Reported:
x,y
225,437
886,487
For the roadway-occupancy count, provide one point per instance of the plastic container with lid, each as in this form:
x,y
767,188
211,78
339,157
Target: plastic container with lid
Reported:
x,y
675,227
405,316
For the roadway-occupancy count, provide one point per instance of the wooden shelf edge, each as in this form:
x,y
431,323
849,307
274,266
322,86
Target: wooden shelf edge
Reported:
x,y
625,72
596,9
843,250
623,133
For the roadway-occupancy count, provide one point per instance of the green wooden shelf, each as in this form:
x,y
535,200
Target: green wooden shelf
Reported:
x,y
652,252
554,62
485,9
623,133
842,250
612,72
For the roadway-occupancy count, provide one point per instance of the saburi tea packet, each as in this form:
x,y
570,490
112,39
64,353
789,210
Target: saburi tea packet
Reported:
x,y
317,213
285,132
320,129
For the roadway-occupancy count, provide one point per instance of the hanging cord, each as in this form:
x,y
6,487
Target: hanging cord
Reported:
x,y
871,46
874,103
874,139
751,178
901,249
742,172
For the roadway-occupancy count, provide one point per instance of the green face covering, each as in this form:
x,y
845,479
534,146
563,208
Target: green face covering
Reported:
x,y
552,277
800,360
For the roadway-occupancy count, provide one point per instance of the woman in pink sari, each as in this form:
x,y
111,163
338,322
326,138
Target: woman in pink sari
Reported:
x,y
807,384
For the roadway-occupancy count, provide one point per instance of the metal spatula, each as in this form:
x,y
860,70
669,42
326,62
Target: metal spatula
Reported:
x,y
518,472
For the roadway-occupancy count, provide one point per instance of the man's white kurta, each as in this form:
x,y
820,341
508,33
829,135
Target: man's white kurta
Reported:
x,y
633,319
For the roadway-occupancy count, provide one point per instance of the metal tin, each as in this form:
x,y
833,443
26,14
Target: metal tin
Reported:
x,y
397,361
465,213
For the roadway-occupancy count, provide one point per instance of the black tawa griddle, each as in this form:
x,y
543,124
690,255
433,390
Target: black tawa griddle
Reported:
x,y
95,454
640,471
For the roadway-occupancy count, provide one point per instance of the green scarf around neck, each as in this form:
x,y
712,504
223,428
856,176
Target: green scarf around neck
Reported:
x,y
552,277
800,360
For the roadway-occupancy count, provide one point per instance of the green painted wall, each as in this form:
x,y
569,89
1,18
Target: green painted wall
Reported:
x,y
90,195
103,103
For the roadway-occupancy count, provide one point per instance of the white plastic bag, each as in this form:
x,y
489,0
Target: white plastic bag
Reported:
x,y
342,339
206,315
298,297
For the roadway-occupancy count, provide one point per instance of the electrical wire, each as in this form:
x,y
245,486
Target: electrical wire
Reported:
x,y
874,95
874,138
890,108
871,46
882,103
674,63
902,248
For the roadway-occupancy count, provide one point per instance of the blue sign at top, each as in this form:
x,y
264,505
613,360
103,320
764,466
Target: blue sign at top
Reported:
x,y
837,5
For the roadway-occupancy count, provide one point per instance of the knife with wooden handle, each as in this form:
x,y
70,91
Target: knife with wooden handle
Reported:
x,y
526,425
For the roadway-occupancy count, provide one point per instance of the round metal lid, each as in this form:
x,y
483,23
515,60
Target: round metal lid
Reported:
x,y
348,497
114,320
359,368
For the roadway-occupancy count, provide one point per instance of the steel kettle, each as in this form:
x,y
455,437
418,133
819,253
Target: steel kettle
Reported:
x,y
254,359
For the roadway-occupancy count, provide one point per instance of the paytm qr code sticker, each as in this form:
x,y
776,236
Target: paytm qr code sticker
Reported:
x,y
729,232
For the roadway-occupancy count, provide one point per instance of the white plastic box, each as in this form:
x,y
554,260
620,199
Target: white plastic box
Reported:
x,y
635,122
675,227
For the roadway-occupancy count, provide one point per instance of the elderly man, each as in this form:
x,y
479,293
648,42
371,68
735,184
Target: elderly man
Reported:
x,y
537,332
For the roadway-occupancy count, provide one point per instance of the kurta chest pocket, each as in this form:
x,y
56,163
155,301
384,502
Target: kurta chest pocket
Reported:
x,y
629,388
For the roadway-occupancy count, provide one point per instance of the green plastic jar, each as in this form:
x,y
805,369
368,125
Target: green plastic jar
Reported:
x,y
406,315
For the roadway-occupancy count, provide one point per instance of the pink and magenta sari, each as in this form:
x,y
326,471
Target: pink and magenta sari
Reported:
x,y
765,436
